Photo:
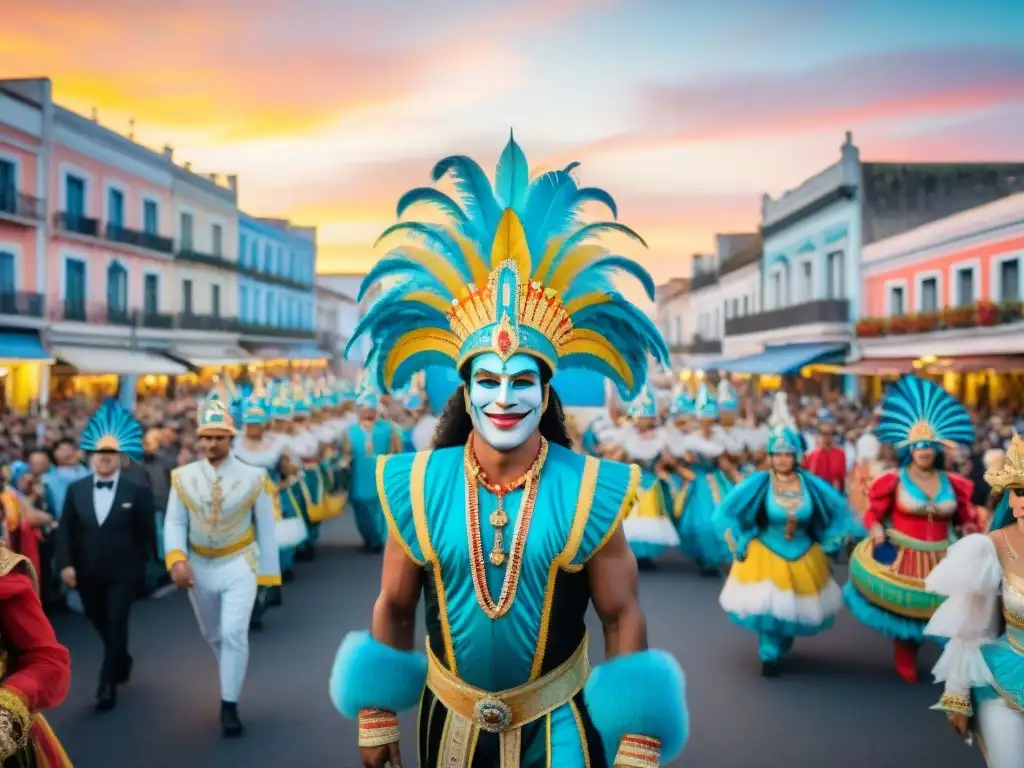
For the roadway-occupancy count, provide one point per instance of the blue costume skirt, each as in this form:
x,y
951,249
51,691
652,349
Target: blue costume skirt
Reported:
x,y
370,522
896,605
694,507
768,594
648,527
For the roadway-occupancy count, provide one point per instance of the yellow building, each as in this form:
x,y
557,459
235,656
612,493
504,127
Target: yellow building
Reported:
x,y
24,370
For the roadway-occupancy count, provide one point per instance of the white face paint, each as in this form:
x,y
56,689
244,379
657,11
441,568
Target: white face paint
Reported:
x,y
506,399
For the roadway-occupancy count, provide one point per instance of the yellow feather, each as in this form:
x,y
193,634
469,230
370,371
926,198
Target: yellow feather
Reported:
x,y
510,244
587,342
420,340
439,267
572,264
549,256
586,300
477,267
430,299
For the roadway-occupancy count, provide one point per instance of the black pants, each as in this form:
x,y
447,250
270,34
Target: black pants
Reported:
x,y
107,606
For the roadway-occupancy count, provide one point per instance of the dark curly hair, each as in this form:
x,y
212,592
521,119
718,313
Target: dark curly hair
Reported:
x,y
455,424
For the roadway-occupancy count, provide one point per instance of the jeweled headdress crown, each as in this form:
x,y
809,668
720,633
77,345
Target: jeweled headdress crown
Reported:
x,y
510,271
918,412
1011,474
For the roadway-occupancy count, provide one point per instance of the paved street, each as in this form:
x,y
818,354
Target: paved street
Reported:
x,y
839,704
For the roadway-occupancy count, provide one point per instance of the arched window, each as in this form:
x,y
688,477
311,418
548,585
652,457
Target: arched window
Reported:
x,y
117,289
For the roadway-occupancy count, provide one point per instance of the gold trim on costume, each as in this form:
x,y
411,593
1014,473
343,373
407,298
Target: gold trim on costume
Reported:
x,y
512,708
418,500
249,537
627,504
15,722
582,731
584,503
389,516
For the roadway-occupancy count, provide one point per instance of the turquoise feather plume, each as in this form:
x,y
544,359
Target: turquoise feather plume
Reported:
x,y
419,284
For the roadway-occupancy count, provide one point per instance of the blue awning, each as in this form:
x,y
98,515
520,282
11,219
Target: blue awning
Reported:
x,y
783,359
22,346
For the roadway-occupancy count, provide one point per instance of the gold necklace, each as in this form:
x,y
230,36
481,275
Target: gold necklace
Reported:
x,y
498,518
1010,551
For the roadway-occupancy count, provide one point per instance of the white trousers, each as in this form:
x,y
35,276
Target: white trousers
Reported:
x,y
223,599
1002,733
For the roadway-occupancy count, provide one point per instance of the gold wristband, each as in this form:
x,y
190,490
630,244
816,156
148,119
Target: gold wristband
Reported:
x,y
15,723
956,704
378,727
638,752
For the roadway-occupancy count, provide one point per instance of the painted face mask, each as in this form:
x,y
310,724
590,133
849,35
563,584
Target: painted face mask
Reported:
x,y
506,399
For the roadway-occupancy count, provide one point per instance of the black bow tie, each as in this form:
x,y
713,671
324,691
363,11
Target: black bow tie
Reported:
x,y
109,484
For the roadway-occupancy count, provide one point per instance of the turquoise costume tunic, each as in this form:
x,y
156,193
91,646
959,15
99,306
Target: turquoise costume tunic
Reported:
x,y
383,439
696,502
541,603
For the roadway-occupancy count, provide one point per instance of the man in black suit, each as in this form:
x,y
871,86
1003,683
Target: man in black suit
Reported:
x,y
106,534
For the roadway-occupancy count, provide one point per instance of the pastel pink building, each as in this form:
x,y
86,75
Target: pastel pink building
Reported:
x,y
946,298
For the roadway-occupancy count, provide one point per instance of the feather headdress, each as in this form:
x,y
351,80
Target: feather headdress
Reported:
x,y
645,405
784,437
706,407
366,393
918,413
112,428
513,269
683,403
728,400
256,407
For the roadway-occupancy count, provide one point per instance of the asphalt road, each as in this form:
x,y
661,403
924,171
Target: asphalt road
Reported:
x,y
838,703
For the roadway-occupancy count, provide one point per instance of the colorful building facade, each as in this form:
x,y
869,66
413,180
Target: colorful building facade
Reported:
x,y
944,299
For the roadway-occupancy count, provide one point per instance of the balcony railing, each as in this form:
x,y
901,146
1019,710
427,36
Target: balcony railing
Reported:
x,y
193,322
702,346
207,259
94,313
155,320
20,205
984,314
139,239
703,280
260,329
823,311
77,223
268,277
22,304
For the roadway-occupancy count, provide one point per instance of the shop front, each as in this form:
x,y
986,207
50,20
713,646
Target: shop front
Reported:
x,y
24,371
99,372
205,361
284,361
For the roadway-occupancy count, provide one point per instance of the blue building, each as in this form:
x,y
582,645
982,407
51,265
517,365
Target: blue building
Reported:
x,y
277,286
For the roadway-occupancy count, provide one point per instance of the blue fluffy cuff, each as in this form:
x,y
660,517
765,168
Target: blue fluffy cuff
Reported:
x,y
367,674
642,694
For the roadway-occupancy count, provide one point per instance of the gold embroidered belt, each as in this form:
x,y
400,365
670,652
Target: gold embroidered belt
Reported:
x,y
472,710
248,538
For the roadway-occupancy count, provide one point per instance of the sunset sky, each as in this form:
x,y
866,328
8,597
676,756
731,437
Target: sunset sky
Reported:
x,y
685,110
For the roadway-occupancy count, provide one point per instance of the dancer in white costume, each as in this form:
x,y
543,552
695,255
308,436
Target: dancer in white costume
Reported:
x,y
982,667
219,535
648,528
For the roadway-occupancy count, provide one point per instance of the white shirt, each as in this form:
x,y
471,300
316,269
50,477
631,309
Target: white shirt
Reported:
x,y
867,447
103,498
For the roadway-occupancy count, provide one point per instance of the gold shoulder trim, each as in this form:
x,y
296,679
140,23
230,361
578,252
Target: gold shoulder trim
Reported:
x,y
11,561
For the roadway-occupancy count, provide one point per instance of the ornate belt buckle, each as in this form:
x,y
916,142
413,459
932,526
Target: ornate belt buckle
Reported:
x,y
492,715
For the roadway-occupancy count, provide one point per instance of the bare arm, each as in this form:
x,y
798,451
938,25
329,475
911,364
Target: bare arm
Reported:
x,y
613,576
394,613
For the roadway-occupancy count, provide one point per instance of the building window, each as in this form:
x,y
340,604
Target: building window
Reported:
x,y
74,289
254,256
151,295
269,309
965,286
930,294
806,282
679,329
7,286
1009,280
150,217
187,231
268,259
897,300
243,249
243,299
215,300
117,290
8,186
746,306
777,298
74,193
115,208
186,296
218,240
836,285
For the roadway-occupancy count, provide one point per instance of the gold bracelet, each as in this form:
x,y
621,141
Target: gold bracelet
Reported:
x,y
378,727
956,704
638,752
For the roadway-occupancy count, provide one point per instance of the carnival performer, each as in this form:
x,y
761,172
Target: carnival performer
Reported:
x,y
421,436
506,675
780,524
370,437
713,478
648,528
602,434
36,672
728,431
911,517
982,665
305,448
826,460
219,533
259,448
333,451
677,444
